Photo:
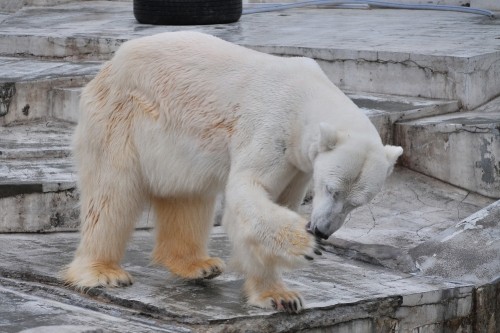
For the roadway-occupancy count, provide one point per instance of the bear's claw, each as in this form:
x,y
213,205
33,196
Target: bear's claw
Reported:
x,y
291,302
212,273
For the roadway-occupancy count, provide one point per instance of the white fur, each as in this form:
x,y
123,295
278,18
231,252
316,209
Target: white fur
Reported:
x,y
180,115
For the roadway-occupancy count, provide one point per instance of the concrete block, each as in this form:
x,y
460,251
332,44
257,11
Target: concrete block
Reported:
x,y
65,104
31,100
486,4
432,77
465,148
27,84
41,211
37,180
487,299
358,326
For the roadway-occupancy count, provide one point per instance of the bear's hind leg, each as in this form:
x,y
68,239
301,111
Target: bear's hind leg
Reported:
x,y
182,231
293,195
107,222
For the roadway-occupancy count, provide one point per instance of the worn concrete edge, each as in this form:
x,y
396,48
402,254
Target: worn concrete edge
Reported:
x,y
98,299
51,288
92,48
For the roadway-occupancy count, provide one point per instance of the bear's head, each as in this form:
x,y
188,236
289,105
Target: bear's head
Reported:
x,y
348,172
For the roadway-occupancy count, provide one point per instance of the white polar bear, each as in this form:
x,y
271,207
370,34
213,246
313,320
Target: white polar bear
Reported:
x,y
177,118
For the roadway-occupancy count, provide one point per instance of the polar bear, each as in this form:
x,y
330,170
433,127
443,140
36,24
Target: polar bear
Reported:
x,y
178,117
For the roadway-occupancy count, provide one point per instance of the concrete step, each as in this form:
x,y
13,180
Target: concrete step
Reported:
x,y
462,149
26,86
48,139
65,103
37,179
386,110
441,58
37,184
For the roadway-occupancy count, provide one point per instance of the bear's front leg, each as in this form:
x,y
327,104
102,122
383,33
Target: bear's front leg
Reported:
x,y
267,239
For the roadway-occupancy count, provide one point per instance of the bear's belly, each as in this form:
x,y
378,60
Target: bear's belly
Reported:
x,y
174,164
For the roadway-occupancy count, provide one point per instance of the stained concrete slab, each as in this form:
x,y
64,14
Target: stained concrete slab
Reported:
x,y
47,139
342,292
447,55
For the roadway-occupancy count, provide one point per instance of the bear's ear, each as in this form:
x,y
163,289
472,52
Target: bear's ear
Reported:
x,y
392,154
327,137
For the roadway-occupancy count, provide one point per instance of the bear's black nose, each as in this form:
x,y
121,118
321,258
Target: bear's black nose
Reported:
x,y
319,234
308,228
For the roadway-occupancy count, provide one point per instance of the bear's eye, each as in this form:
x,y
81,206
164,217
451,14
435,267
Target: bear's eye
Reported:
x,y
335,194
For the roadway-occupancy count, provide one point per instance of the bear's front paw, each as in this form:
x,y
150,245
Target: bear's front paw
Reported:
x,y
280,299
82,275
296,245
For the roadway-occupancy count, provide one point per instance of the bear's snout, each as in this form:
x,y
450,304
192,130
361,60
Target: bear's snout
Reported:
x,y
315,232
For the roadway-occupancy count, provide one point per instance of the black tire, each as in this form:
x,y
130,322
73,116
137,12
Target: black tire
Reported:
x,y
187,12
